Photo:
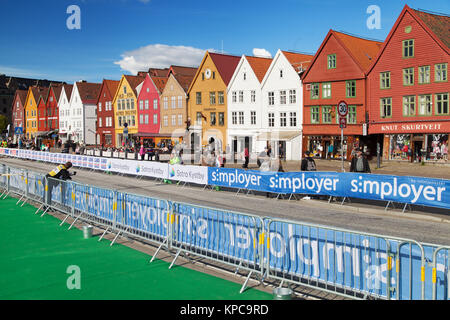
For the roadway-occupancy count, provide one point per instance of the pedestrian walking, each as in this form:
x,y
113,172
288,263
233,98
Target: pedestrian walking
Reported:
x,y
308,163
359,163
246,158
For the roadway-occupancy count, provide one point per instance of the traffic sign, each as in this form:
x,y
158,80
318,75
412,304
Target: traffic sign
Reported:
x,y
18,130
343,109
342,122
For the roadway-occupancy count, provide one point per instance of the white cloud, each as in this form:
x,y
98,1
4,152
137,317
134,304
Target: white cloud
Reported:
x,y
258,52
159,56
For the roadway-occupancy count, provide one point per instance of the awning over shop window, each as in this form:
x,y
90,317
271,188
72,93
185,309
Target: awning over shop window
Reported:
x,y
278,136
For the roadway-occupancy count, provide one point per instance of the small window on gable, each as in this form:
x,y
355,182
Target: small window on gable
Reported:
x,y
245,76
281,73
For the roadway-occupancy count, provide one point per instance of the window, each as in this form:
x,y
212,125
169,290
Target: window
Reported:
x,y
408,48
283,97
408,77
213,118
141,119
141,105
314,91
221,118
292,96
174,120
281,73
234,96
234,117
125,89
442,104
315,114
283,122
241,117
174,102
180,119
128,104
424,74
241,96
409,106
221,97
385,80
331,61
155,104
146,119
155,119
214,75
440,72
425,106
253,96
326,114
166,102
351,116
120,121
386,107
166,121
293,119
198,98
245,76
326,90
212,98
180,102
253,117
271,98
99,106
350,88
199,118
271,119
133,121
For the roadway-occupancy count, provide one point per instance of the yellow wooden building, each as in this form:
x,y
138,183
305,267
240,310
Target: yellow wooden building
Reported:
x,y
30,110
207,105
125,107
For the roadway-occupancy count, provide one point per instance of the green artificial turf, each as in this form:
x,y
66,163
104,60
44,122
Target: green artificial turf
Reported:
x,y
36,252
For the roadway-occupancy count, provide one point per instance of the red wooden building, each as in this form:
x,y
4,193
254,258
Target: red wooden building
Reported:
x,y
149,106
18,114
337,73
52,112
42,127
409,90
105,114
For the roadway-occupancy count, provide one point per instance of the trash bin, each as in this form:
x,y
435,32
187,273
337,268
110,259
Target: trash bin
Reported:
x,y
282,294
87,232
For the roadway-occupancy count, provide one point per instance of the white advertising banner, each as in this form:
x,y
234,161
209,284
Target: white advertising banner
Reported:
x,y
193,174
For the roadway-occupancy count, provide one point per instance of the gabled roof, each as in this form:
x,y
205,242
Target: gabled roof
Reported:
x,y
158,72
438,24
57,89
182,71
134,81
68,90
159,82
364,51
43,95
21,95
437,27
259,65
298,60
225,64
112,86
88,91
184,81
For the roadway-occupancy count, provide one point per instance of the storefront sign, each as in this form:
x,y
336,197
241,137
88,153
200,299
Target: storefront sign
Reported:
x,y
414,127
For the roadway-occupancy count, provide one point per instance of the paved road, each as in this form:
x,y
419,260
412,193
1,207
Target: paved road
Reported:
x,y
427,227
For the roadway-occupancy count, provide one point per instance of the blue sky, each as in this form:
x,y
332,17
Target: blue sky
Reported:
x,y
122,36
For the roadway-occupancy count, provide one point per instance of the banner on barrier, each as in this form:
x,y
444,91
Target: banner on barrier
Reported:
x,y
186,173
403,189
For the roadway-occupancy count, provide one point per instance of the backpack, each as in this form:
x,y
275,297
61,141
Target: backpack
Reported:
x,y
311,165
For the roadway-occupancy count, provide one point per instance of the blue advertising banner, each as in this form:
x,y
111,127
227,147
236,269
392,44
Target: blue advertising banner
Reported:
x,y
403,189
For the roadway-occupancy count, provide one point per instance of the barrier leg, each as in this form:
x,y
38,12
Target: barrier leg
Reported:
x,y
176,256
5,195
75,220
157,251
67,216
246,281
39,209
103,234
45,211
20,199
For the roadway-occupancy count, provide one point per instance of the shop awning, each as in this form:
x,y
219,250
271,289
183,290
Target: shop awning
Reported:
x,y
156,135
278,136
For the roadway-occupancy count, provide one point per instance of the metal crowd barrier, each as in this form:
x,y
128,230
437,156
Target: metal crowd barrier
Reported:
x,y
226,237
334,260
